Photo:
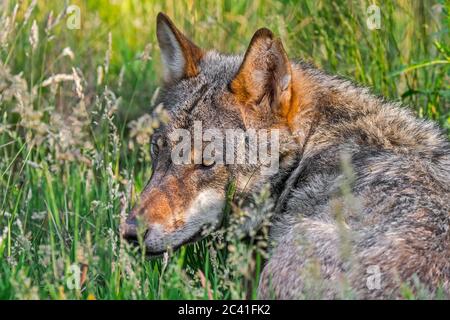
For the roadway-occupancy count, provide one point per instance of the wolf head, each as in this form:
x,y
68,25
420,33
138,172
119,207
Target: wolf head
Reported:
x,y
221,94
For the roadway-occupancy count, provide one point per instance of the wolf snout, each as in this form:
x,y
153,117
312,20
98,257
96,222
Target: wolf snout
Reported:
x,y
129,230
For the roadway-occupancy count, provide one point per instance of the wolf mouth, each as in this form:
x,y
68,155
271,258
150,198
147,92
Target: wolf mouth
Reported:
x,y
155,254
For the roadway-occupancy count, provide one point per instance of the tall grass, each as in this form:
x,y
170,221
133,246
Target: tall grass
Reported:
x,y
74,128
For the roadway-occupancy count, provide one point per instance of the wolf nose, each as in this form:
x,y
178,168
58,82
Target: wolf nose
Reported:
x,y
128,230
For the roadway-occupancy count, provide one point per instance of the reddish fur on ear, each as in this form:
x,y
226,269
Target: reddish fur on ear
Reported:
x,y
191,53
264,72
243,86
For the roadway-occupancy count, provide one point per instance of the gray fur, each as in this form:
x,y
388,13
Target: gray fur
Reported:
x,y
363,182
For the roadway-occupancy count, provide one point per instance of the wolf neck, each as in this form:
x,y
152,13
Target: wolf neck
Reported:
x,y
301,119
328,114
304,115
330,110
315,95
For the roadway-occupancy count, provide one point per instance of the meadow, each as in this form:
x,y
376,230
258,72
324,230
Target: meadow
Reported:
x,y
76,90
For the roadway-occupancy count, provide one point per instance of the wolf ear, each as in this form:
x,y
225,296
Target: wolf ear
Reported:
x,y
180,56
264,72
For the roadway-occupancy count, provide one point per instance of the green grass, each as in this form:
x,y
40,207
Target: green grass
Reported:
x,y
72,160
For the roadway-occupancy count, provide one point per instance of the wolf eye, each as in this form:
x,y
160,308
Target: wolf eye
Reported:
x,y
155,146
154,149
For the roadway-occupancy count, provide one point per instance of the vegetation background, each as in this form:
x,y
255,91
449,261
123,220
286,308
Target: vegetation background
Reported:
x,y
74,128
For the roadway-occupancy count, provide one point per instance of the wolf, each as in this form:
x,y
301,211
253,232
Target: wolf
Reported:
x,y
361,194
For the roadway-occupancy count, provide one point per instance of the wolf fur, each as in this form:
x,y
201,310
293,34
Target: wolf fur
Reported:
x,y
363,184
